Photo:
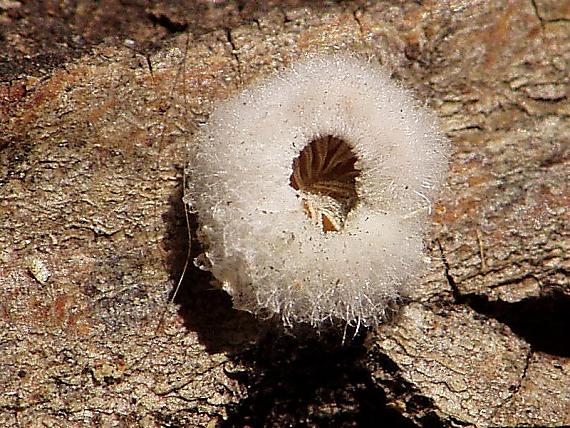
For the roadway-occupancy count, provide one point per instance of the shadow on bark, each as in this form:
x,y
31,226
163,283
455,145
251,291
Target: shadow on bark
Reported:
x,y
312,381
205,309
297,376
541,321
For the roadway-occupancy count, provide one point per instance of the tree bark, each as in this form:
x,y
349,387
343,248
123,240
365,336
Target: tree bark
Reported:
x,y
94,236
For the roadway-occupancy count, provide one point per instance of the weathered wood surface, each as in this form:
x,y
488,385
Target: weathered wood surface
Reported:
x,y
91,177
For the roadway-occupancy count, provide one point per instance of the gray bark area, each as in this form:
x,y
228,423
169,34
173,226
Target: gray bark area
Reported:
x,y
93,235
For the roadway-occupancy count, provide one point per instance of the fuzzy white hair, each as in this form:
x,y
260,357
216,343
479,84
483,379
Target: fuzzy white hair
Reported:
x,y
265,238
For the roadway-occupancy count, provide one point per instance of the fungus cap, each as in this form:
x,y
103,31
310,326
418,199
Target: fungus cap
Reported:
x,y
311,189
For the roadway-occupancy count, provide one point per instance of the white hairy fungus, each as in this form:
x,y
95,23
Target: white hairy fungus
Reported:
x,y
312,190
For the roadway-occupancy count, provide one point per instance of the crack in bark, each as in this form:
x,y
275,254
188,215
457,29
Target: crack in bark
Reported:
x,y
515,388
357,19
234,53
526,318
537,13
457,296
544,21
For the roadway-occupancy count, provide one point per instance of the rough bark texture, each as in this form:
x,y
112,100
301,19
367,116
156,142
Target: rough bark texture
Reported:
x,y
93,233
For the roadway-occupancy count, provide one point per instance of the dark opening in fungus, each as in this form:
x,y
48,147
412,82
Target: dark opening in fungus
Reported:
x,y
325,175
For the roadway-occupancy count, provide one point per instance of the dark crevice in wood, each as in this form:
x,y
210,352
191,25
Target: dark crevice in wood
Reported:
x,y
168,23
542,321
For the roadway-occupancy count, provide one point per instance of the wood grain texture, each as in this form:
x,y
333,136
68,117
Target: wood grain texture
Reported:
x,y
91,179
